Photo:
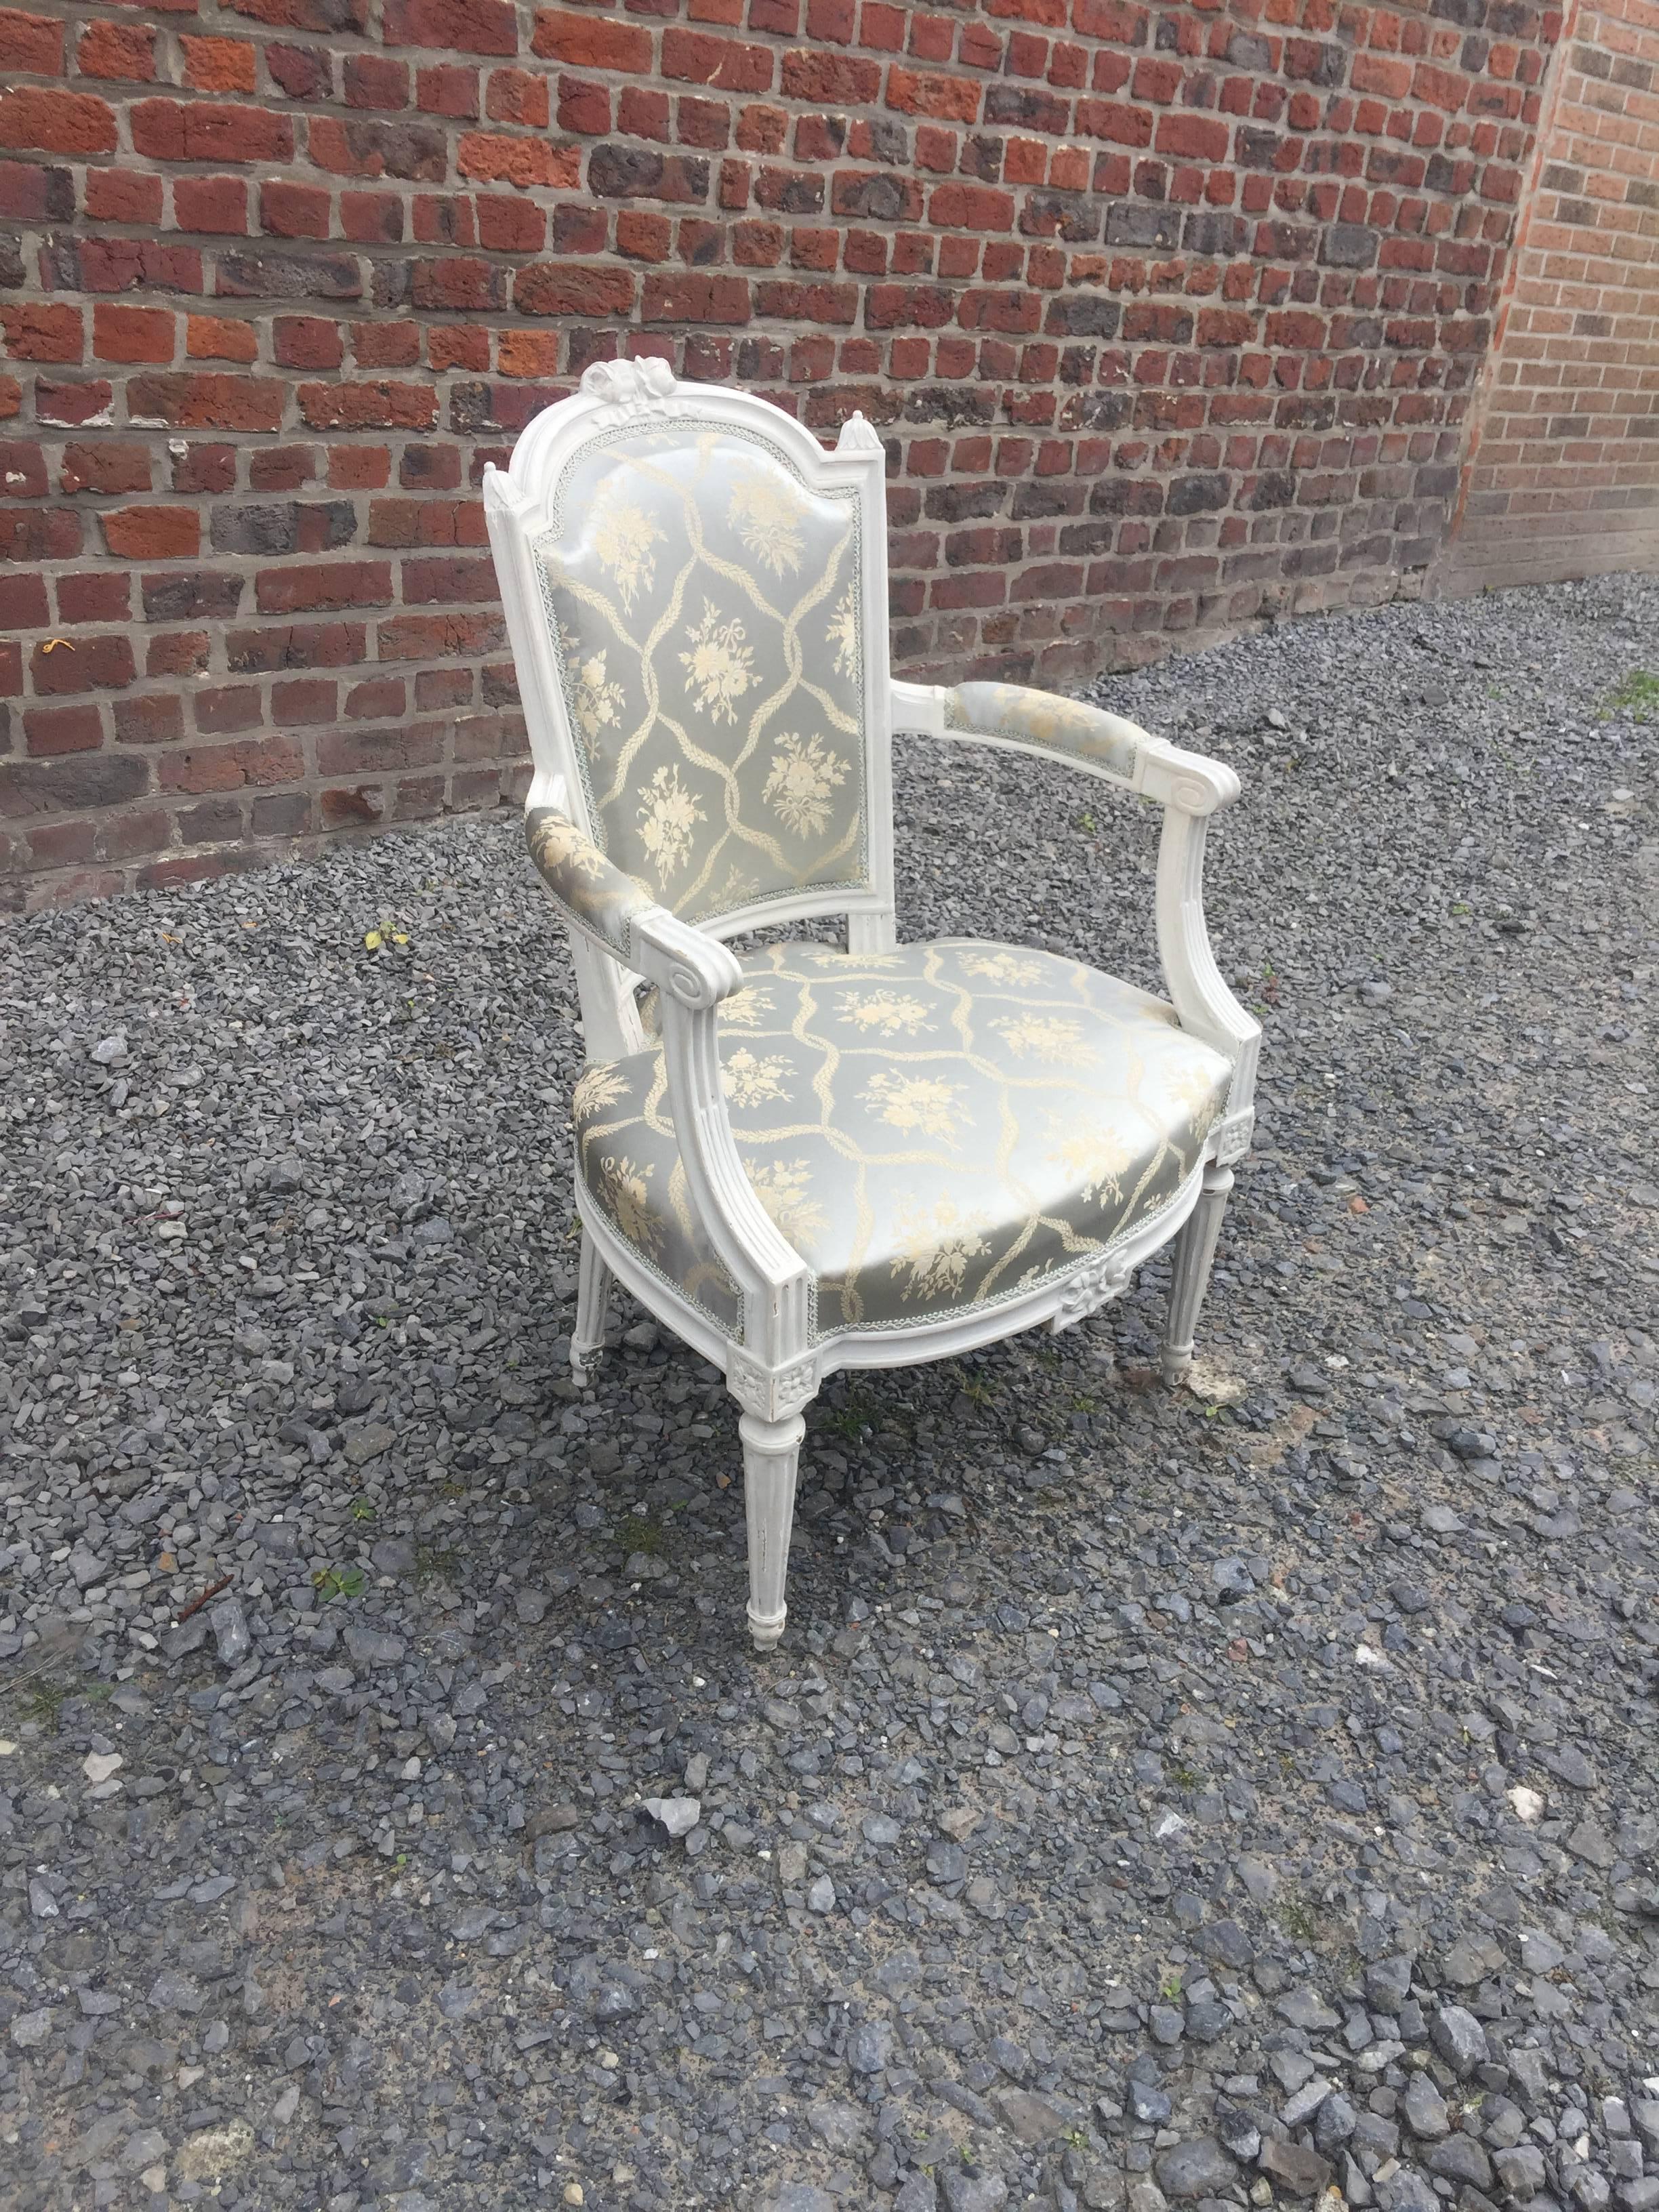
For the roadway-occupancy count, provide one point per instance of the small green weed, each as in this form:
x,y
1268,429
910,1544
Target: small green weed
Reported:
x,y
330,1582
637,1532
1298,1920
362,1510
1638,695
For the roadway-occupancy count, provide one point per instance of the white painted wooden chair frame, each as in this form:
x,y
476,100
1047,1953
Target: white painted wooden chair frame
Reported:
x,y
776,1369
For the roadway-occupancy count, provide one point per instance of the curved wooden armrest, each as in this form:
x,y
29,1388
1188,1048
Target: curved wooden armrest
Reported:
x,y
1189,788
597,896
1101,744
693,973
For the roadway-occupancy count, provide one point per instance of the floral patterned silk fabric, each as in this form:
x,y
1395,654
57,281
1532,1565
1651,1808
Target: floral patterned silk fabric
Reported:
x,y
704,611
596,895
1068,726
932,1128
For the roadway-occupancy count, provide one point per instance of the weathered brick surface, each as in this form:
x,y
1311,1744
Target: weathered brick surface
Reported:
x,y
1171,318
1562,473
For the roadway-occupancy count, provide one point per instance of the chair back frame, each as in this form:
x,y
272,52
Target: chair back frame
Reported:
x,y
520,506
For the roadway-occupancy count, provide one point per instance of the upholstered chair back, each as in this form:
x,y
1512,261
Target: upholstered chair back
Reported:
x,y
704,607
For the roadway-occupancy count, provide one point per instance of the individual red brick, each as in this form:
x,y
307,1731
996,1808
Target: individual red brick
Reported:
x,y
370,406
43,332
213,337
301,72
491,158
370,81
295,645
291,210
33,44
93,595
302,700
158,720
308,587
509,226
75,123
306,342
224,709
133,334
693,297
52,730
523,353
438,637
202,131
23,469
207,400
573,288
587,41
153,533
118,51
584,107
280,468
945,99
380,698
215,204
266,761
207,470
70,404
437,688
448,90
88,664
177,653
830,81
695,57
465,27
22,600
122,195
385,345
516,95
217,64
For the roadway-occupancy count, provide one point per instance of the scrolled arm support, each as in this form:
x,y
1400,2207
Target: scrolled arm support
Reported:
x,y
693,973
1189,787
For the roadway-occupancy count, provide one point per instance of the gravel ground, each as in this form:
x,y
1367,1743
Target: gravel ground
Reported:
x,y
1158,1797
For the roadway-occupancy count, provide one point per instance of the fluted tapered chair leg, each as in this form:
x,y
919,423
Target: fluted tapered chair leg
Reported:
x,y
771,1457
1195,1256
594,1281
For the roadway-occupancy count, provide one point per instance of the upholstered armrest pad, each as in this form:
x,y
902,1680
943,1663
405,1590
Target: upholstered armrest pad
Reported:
x,y
592,890
1022,716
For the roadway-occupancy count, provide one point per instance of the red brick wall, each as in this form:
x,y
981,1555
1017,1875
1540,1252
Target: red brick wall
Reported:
x,y
1170,316
1561,477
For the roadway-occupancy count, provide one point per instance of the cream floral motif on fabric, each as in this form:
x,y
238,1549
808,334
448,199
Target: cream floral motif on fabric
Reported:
x,y
705,611
595,894
932,1128
1044,719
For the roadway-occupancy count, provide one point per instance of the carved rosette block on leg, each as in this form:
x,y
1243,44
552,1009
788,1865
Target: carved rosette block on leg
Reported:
x,y
1194,1254
771,1456
593,1281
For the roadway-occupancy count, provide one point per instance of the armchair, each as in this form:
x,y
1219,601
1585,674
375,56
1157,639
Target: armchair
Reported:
x,y
810,1159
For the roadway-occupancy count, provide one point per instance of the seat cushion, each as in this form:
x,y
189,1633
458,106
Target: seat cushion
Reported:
x,y
934,1128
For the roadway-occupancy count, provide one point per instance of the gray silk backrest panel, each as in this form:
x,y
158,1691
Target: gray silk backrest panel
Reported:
x,y
705,608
